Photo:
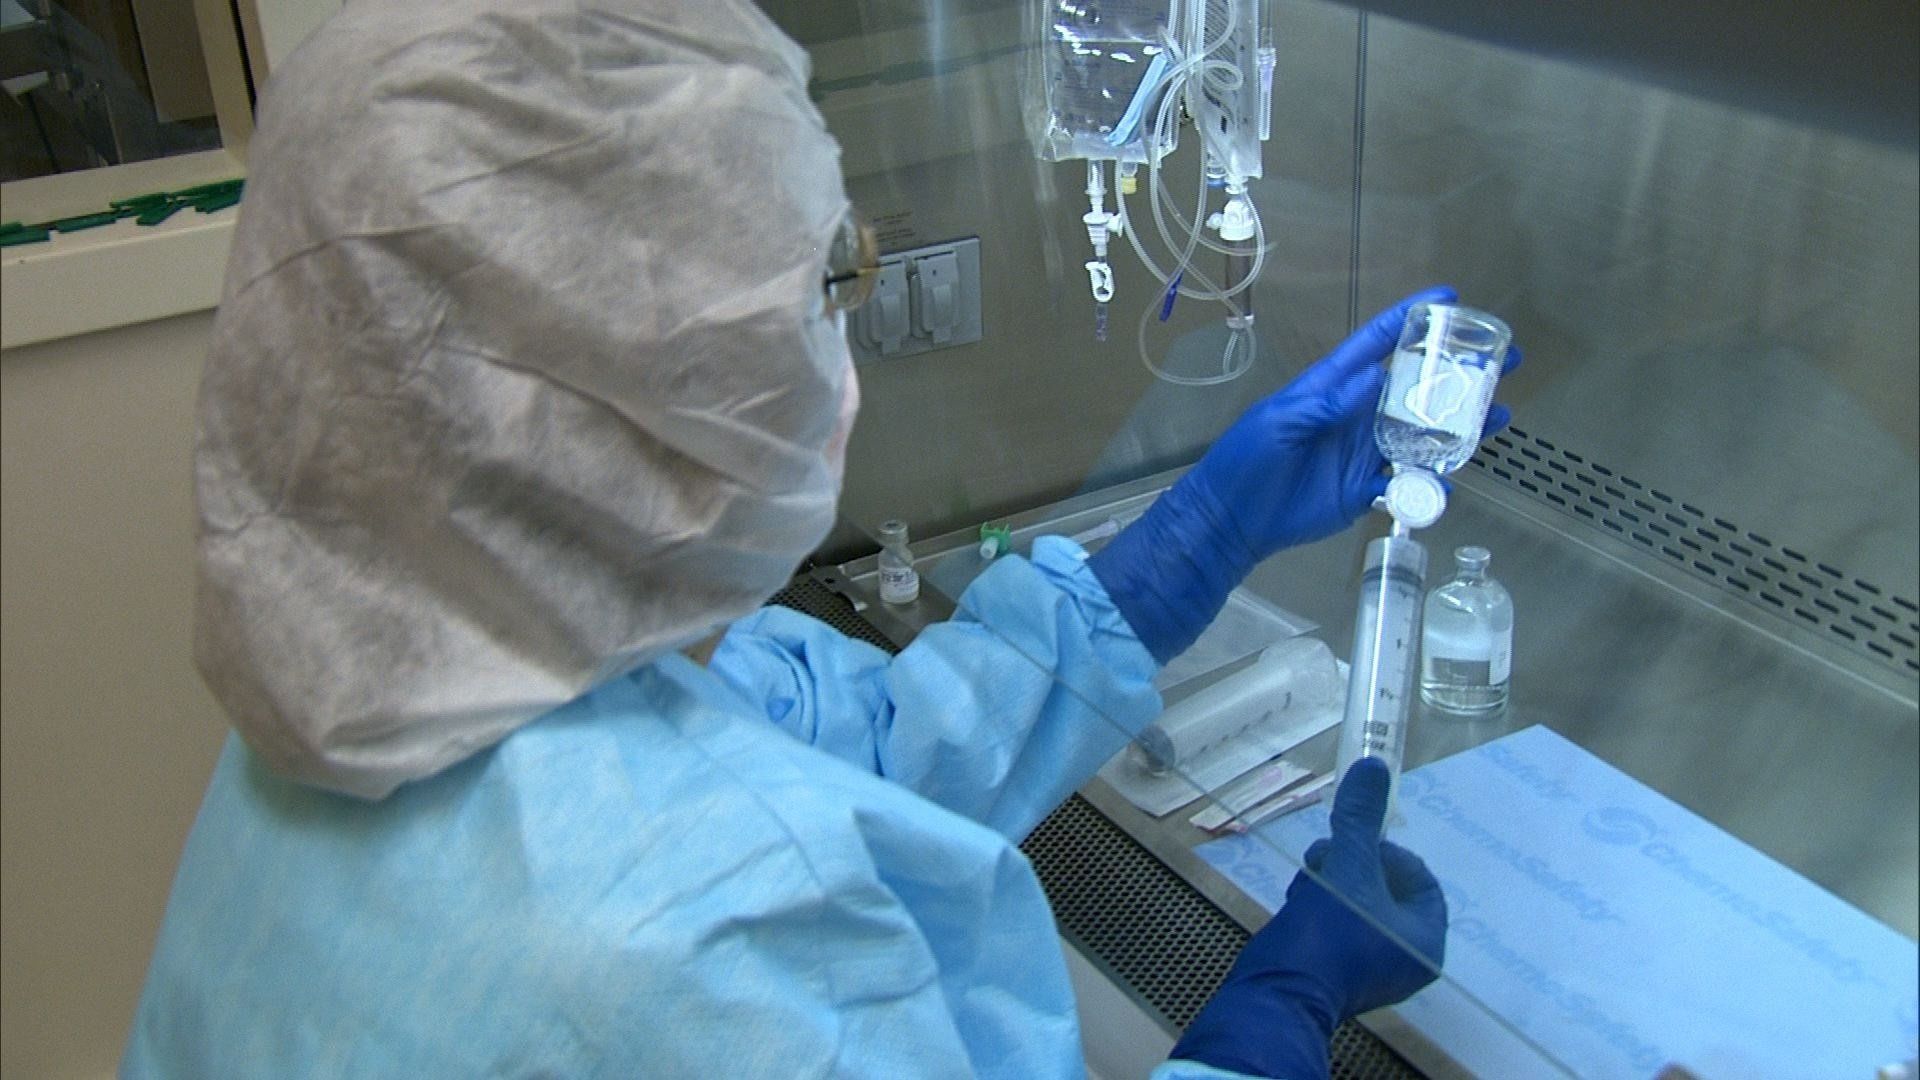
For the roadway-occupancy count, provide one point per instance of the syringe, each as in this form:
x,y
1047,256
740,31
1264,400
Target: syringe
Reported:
x,y
1386,644
1393,587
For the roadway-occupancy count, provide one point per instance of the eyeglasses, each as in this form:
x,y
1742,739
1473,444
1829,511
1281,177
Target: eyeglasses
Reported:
x,y
853,263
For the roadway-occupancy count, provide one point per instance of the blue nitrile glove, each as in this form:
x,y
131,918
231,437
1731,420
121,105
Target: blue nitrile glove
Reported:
x,y
1299,465
1317,962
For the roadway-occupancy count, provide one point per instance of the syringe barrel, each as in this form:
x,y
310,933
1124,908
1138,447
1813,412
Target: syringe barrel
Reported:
x,y
1292,677
1386,643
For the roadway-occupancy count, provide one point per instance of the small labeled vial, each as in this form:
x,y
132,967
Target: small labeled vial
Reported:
x,y
899,582
1466,664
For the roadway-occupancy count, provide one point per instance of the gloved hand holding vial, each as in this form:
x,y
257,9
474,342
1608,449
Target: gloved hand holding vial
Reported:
x,y
1432,411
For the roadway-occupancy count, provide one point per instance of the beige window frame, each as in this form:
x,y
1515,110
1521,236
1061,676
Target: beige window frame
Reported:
x,y
123,273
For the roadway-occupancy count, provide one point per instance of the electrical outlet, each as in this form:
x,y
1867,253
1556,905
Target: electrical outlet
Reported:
x,y
924,299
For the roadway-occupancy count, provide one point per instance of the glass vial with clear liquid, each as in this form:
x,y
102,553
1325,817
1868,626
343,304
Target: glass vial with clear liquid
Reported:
x,y
899,581
1466,663
1440,383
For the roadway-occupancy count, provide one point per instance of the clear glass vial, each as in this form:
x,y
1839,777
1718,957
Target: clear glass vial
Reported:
x,y
899,582
1440,383
1466,665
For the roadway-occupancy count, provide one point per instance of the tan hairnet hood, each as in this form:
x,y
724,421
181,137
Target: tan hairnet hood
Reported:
x,y
520,378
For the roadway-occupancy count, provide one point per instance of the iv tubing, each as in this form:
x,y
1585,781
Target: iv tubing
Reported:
x,y
1242,345
1158,195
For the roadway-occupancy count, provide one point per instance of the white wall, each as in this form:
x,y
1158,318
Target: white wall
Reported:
x,y
106,734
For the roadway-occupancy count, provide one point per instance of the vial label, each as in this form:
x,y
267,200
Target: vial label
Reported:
x,y
1431,411
1502,664
899,585
1436,393
1456,672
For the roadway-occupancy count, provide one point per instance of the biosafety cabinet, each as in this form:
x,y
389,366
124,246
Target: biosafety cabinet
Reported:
x,y
1690,839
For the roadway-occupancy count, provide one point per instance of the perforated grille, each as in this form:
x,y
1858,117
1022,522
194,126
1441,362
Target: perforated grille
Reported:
x,y
1123,905
1154,932
1868,619
1356,1055
1151,929
809,597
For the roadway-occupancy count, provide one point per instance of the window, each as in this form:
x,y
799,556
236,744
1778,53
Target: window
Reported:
x,y
106,99
91,83
106,102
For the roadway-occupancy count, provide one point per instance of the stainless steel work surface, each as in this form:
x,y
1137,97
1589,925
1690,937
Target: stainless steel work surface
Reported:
x,y
1790,736
1777,733
1759,727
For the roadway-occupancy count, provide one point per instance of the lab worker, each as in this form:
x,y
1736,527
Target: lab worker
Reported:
x,y
525,387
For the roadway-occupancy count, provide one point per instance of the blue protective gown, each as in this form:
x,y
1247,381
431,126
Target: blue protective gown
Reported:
x,y
796,861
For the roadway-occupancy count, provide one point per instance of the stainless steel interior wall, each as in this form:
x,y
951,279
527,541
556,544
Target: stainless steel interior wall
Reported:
x,y
925,100
1718,301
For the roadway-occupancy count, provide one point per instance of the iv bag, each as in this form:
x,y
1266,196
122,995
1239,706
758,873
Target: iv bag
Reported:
x,y
1233,107
1095,85
1102,69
